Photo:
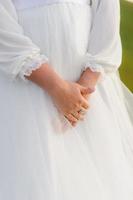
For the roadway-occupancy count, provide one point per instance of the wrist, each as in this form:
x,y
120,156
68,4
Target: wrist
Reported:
x,y
55,85
47,78
89,77
53,82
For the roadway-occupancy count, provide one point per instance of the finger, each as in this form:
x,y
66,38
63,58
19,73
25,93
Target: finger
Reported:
x,y
87,90
86,96
85,103
91,90
71,118
74,123
78,115
82,111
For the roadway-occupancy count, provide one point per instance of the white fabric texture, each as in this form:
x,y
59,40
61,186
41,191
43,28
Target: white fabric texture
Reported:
x,y
16,49
42,156
104,49
20,5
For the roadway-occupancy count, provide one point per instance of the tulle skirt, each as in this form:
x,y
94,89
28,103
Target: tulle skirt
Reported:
x,y
42,157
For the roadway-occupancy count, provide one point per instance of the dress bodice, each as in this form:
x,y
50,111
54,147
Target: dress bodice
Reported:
x,y
22,4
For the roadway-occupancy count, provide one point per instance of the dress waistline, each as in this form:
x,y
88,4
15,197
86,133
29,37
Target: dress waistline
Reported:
x,y
24,4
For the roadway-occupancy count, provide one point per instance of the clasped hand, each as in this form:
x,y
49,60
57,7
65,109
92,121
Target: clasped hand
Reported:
x,y
71,99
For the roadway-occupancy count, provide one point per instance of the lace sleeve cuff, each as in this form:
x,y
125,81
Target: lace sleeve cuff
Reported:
x,y
31,63
94,68
96,64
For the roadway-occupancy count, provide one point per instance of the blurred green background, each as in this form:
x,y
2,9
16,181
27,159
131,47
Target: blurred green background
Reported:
x,y
126,70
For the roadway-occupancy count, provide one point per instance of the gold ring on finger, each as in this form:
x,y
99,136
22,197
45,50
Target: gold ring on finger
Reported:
x,y
82,111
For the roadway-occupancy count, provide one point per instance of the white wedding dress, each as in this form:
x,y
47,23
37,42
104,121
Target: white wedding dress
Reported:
x,y
42,157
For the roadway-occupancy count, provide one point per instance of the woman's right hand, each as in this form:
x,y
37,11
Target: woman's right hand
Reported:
x,y
68,98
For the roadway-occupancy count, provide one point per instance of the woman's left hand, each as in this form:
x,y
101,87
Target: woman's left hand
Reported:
x,y
88,79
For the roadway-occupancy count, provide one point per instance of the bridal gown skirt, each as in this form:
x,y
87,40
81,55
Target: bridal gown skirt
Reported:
x,y
42,157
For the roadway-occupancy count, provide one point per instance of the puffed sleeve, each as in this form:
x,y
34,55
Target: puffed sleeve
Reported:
x,y
104,52
18,54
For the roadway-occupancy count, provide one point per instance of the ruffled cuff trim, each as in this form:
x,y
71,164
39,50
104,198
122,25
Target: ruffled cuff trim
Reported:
x,y
95,68
95,64
31,63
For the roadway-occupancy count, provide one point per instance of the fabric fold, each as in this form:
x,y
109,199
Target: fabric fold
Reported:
x,y
15,46
104,53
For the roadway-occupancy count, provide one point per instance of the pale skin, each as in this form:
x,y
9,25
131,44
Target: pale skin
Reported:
x,y
76,93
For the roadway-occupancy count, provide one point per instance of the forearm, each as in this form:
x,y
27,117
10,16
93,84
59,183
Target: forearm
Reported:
x,y
46,78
